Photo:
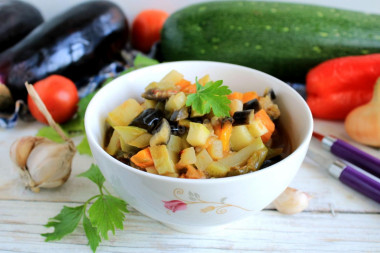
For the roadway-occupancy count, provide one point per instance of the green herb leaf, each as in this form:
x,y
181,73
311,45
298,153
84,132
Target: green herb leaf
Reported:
x,y
50,133
107,214
213,95
95,175
91,233
64,223
141,61
83,147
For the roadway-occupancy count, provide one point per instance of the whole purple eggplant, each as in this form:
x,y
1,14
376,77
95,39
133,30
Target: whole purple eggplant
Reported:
x,y
75,44
17,19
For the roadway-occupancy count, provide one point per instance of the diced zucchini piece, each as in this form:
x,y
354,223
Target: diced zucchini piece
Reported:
x,y
257,159
124,113
169,81
235,105
162,161
176,102
187,157
216,169
149,104
162,134
257,128
114,144
203,160
129,133
175,143
125,147
198,134
241,157
216,149
240,137
142,141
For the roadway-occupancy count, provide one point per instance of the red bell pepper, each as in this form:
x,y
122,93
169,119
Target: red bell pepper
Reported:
x,y
337,86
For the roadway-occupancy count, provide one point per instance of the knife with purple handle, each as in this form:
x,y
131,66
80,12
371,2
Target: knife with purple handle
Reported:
x,y
351,177
351,154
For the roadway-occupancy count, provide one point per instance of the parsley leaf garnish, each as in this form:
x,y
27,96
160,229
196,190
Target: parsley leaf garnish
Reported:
x,y
213,95
106,214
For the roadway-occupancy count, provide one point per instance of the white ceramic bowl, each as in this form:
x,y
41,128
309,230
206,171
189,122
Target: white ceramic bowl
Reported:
x,y
199,205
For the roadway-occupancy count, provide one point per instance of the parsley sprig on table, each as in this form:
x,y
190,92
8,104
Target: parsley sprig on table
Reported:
x,y
105,214
213,95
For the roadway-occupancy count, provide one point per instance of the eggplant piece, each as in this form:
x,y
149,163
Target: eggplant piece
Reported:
x,y
177,129
271,161
243,117
158,94
148,119
75,44
18,20
196,119
182,113
161,134
270,93
252,105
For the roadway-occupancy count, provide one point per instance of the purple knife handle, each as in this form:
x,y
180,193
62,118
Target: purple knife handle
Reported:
x,y
360,182
356,156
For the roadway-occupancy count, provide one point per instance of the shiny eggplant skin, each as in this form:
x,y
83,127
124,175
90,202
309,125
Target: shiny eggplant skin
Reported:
x,y
18,19
148,119
75,44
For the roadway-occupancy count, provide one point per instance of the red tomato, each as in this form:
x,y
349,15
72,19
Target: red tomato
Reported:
x,y
60,96
146,29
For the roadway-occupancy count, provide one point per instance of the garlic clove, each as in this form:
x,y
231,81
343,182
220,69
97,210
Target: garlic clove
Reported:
x,y
20,150
49,163
291,201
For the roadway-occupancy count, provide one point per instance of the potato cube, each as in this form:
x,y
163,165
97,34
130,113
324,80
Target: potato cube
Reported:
x,y
205,79
187,157
114,145
162,161
129,133
176,102
175,143
124,113
198,134
240,137
203,160
169,81
142,141
257,128
216,149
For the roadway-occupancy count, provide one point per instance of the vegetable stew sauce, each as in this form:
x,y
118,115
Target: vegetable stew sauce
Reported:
x,y
176,132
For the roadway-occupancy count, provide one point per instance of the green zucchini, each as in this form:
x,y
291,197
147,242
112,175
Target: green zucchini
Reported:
x,y
281,39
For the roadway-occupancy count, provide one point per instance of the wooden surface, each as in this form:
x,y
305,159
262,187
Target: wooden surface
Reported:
x,y
338,219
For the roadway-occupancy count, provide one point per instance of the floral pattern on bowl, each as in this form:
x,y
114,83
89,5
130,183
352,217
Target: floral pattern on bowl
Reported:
x,y
180,203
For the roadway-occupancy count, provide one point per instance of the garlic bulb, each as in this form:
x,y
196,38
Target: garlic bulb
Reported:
x,y
42,162
363,123
291,201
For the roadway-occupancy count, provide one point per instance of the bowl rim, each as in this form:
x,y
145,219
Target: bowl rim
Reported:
x,y
91,137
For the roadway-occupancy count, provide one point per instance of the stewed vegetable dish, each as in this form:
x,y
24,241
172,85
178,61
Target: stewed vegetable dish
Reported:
x,y
197,130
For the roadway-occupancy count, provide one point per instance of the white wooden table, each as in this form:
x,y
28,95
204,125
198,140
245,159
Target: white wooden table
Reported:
x,y
337,219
